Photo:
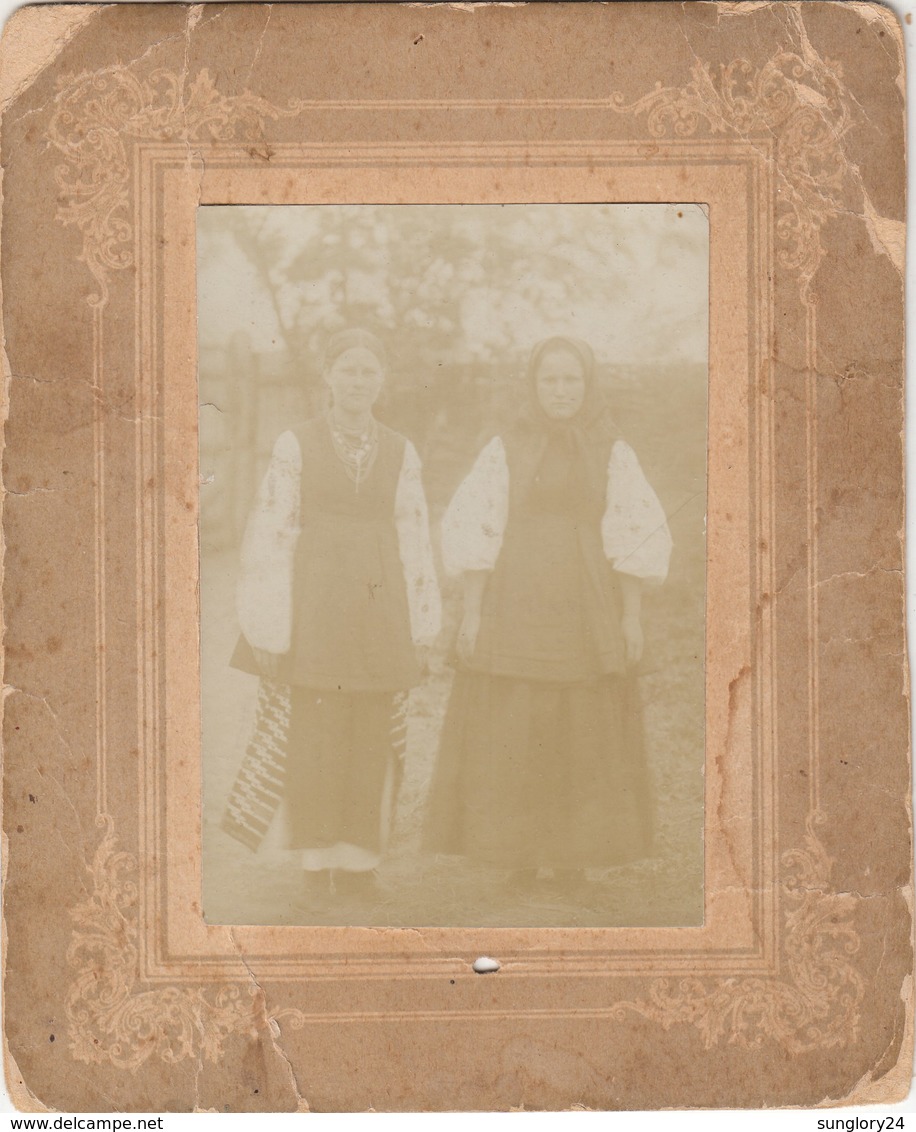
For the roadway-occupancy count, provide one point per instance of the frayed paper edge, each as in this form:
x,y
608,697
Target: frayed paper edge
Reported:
x,y
33,38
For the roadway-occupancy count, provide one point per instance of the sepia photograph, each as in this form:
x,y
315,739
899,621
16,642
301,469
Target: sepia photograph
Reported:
x,y
452,563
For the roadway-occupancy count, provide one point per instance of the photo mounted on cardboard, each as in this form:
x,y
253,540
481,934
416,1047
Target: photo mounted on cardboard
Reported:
x,y
453,499
447,377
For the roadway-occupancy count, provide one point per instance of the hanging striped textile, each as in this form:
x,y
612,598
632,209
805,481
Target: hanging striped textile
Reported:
x,y
258,787
399,708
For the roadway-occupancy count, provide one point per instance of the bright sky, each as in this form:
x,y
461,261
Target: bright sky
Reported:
x,y
646,266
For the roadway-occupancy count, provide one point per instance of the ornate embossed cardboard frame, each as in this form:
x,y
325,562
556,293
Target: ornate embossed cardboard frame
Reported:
x,y
765,135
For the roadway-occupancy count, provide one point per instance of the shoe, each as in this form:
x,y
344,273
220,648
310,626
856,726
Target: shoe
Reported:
x,y
522,881
316,890
570,884
574,887
569,879
363,885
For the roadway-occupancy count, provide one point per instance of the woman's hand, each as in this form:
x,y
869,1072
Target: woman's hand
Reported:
x,y
632,637
467,635
267,662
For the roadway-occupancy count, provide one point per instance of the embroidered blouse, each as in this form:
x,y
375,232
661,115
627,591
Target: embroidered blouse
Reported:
x,y
265,589
634,529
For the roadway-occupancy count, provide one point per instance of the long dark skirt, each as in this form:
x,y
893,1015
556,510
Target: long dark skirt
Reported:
x,y
341,748
535,774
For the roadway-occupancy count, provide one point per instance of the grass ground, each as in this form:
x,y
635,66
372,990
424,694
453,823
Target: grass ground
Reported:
x,y
666,889
241,887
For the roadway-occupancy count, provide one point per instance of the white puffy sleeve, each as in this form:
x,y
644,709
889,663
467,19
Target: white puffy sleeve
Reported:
x,y
475,521
411,519
634,529
265,588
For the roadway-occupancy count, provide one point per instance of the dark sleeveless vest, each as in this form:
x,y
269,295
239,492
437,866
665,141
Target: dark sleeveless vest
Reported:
x,y
351,622
552,606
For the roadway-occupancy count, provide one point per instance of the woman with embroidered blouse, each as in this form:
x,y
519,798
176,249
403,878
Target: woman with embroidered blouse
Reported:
x,y
338,598
554,532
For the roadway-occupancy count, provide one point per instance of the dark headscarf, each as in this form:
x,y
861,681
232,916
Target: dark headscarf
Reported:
x,y
593,420
589,436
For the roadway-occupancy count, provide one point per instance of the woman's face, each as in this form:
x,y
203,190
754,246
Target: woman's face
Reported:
x,y
355,379
560,384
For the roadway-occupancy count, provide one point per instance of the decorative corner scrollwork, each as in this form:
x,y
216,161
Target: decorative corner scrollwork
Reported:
x,y
801,107
94,114
110,1019
813,1002
798,105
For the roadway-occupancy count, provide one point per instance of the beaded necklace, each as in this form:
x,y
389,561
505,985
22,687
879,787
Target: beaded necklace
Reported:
x,y
356,448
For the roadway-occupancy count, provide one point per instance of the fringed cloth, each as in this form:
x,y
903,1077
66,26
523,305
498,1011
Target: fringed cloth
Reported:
x,y
258,788
260,784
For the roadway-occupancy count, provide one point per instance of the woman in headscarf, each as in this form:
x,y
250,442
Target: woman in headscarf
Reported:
x,y
555,532
337,596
